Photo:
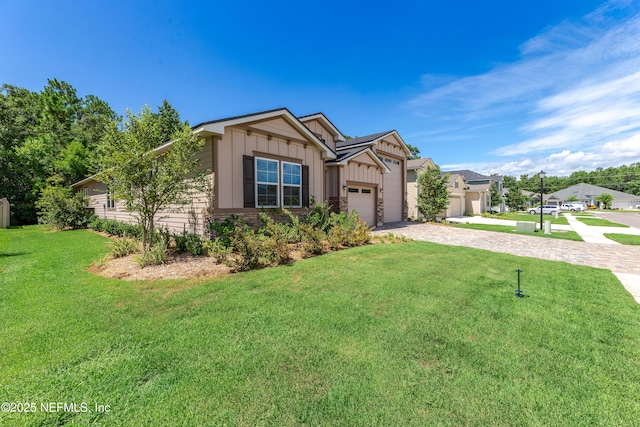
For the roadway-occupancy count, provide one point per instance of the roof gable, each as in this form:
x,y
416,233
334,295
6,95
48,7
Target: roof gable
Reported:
x,y
217,127
345,156
324,121
422,163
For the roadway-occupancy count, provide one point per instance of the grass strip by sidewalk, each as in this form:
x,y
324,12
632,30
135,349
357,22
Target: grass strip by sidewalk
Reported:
x,y
524,216
404,334
600,222
625,239
555,234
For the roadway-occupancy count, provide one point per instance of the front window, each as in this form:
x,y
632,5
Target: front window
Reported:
x,y
267,183
111,204
291,185
278,183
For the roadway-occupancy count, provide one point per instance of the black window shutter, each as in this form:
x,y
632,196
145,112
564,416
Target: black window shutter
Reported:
x,y
249,178
305,186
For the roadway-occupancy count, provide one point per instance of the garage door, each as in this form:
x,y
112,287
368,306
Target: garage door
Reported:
x,y
455,206
362,200
393,190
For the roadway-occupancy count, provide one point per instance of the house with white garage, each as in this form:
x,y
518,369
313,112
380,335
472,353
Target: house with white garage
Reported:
x,y
274,159
478,193
456,188
588,193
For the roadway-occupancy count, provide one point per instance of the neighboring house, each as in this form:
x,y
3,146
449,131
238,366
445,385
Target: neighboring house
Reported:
x,y
274,159
456,187
478,195
414,167
587,193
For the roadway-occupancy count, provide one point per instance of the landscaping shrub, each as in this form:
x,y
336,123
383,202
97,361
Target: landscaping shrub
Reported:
x,y
62,208
250,247
188,242
224,230
119,248
313,241
318,215
347,230
155,256
216,249
276,249
115,228
194,245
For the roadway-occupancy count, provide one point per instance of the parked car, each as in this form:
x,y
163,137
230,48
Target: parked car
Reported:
x,y
546,209
573,207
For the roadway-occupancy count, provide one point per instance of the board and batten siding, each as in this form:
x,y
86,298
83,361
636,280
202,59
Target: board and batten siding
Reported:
x,y
236,143
316,127
412,194
363,169
391,146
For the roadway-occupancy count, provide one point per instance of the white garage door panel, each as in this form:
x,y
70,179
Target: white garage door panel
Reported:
x,y
363,201
393,190
455,206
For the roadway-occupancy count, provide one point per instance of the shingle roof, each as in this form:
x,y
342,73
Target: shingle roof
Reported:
x,y
584,191
475,176
361,140
240,117
343,154
417,163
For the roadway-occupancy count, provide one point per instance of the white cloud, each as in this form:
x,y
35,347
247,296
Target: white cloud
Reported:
x,y
575,93
563,163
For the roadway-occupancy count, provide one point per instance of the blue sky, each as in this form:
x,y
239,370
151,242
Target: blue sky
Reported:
x,y
497,86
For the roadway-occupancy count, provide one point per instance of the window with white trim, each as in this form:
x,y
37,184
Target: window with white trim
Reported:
x,y
267,183
111,204
291,185
278,183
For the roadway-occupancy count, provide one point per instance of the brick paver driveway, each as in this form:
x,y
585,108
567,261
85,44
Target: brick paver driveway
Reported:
x,y
617,258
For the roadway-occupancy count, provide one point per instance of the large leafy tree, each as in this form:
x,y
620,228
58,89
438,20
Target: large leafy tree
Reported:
x,y
432,193
19,117
146,179
415,152
46,137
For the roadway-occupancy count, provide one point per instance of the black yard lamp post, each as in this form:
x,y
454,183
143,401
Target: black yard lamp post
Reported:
x,y
541,175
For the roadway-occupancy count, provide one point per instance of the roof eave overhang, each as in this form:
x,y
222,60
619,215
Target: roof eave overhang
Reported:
x,y
92,178
337,135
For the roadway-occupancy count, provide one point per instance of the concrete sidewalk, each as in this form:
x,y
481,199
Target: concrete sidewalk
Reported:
x,y
622,260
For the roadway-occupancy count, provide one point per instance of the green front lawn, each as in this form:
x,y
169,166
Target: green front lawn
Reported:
x,y
625,239
404,334
565,235
525,216
600,222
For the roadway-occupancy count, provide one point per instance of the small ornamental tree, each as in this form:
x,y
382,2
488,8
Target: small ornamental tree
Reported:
x,y
515,199
149,179
432,193
605,199
496,197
